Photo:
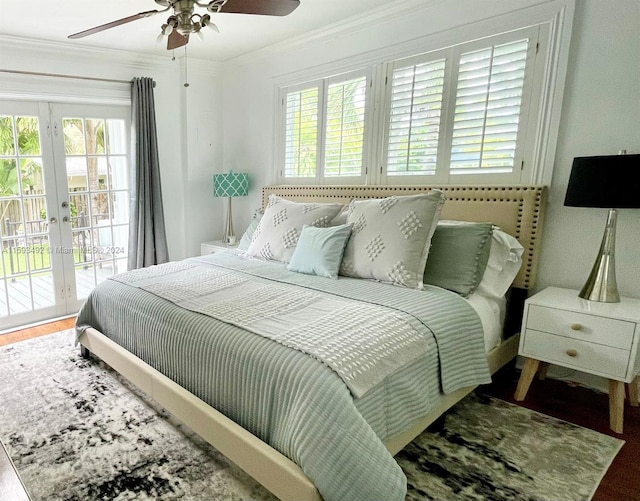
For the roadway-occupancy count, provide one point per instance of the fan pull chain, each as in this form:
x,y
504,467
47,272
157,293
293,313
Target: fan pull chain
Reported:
x,y
186,72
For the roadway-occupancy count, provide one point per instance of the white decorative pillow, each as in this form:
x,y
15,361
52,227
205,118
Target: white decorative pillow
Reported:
x,y
277,234
390,238
505,260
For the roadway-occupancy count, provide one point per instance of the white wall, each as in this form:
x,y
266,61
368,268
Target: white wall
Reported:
x,y
225,119
599,116
188,154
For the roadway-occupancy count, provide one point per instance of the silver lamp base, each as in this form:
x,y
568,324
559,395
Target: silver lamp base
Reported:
x,y
229,237
601,285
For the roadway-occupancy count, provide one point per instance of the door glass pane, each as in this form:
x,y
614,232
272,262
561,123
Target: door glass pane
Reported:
x,y
79,205
118,173
99,208
35,216
93,169
32,176
43,289
81,246
95,136
39,253
121,265
20,295
120,241
11,217
8,177
28,136
116,137
77,173
6,136
73,136
120,207
85,279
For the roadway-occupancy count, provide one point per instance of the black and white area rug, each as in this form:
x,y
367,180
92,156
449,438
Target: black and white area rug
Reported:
x,y
78,432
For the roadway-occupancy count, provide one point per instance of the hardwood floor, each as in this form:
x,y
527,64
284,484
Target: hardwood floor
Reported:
x,y
575,404
40,330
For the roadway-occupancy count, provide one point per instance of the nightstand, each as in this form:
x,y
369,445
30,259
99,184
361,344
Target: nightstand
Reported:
x,y
214,246
598,338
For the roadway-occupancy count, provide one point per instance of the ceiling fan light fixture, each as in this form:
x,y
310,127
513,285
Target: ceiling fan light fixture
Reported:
x,y
167,29
216,5
206,22
184,21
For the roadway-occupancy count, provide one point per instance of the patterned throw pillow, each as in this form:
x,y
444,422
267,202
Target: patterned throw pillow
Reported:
x,y
277,234
390,238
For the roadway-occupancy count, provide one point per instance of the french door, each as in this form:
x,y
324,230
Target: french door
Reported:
x,y
64,205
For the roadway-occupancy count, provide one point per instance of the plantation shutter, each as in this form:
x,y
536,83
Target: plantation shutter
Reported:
x,y
487,110
414,119
301,132
344,131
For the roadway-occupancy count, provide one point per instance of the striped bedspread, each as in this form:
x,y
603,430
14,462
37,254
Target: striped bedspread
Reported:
x,y
293,401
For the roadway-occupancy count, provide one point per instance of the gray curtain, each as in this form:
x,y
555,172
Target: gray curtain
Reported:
x,y
147,238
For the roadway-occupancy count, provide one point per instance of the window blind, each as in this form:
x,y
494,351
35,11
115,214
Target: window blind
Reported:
x,y
414,121
301,133
344,131
487,111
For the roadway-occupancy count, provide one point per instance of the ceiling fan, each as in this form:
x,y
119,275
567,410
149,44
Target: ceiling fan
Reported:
x,y
185,21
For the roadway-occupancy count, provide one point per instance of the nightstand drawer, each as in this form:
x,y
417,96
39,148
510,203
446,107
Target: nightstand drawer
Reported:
x,y
593,358
590,328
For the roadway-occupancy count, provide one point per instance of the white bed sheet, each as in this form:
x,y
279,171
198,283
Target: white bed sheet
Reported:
x,y
491,311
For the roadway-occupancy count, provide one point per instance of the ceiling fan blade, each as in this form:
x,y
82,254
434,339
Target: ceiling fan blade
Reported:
x,y
113,24
176,40
264,7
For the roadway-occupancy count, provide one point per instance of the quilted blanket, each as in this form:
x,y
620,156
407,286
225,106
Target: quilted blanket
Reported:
x,y
296,402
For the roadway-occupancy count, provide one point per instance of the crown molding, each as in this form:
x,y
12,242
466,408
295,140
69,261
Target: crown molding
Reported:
x,y
132,60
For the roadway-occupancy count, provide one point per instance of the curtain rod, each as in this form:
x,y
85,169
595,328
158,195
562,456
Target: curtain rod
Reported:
x,y
76,77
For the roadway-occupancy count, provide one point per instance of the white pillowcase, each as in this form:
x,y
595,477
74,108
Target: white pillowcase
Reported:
x,y
505,260
277,234
390,238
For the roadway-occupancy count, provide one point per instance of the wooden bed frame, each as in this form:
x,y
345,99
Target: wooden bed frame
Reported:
x,y
517,210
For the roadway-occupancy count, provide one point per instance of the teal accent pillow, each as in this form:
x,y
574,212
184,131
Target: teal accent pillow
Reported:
x,y
319,250
245,241
458,256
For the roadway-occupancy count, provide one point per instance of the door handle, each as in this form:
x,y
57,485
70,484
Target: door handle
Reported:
x,y
53,220
65,219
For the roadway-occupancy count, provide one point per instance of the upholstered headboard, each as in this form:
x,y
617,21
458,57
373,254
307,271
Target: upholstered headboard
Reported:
x,y
518,210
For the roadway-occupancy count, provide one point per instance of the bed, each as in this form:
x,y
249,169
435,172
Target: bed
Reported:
x,y
517,210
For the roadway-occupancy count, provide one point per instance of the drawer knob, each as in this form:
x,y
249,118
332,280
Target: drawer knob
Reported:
x,y
571,352
576,327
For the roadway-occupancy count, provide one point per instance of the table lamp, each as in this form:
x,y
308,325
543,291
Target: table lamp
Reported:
x,y
230,185
610,182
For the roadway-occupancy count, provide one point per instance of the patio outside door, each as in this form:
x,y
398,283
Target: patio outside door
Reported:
x,y
64,205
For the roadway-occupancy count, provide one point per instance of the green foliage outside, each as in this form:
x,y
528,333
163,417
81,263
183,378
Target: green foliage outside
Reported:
x,y
39,257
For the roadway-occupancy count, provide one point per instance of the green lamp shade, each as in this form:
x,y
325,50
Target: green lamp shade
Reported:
x,y
231,184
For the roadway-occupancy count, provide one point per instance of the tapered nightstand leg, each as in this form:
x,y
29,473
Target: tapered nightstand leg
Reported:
x,y
616,405
633,392
528,371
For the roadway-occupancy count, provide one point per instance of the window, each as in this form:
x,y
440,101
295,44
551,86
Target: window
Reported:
x,y
301,133
488,106
324,129
455,115
414,118
344,130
